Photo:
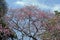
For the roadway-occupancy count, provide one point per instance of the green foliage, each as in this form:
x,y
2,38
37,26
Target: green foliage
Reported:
x,y
0,8
54,25
3,23
51,35
57,13
52,22
15,36
3,8
56,33
46,35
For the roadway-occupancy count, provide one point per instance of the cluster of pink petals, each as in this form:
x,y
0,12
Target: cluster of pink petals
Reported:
x,y
6,31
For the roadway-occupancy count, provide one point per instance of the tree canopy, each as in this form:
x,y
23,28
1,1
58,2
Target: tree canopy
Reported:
x,y
3,8
5,31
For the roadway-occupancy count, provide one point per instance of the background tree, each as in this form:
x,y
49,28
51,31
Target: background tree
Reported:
x,y
5,31
53,30
3,8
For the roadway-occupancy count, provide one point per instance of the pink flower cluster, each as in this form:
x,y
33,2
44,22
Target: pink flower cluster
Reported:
x,y
6,31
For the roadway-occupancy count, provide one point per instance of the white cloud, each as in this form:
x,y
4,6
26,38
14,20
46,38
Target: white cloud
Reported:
x,y
44,6
27,3
36,3
56,7
20,3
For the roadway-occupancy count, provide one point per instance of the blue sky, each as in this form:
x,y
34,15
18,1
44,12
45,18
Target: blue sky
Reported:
x,y
43,4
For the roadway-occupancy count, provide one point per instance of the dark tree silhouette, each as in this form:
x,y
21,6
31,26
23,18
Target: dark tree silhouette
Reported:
x,y
3,8
5,31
